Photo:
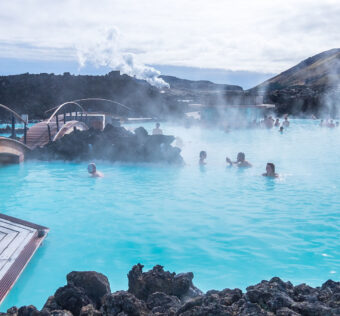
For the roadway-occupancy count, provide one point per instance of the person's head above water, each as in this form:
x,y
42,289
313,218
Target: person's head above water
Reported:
x,y
241,157
203,155
158,125
270,170
281,129
91,168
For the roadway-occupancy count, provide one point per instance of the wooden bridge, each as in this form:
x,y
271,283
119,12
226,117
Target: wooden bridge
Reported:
x,y
13,150
62,121
56,126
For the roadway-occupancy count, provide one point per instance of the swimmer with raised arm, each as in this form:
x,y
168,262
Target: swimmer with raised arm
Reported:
x,y
270,171
240,162
92,169
203,156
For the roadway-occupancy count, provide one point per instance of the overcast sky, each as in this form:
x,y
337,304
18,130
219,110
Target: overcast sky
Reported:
x,y
254,35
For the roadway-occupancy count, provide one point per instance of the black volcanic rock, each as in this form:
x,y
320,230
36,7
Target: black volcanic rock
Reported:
x,y
94,284
160,302
142,284
28,311
89,310
160,293
123,303
72,298
113,144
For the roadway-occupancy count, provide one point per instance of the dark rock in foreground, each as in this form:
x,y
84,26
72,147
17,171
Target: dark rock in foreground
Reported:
x,y
143,284
162,293
113,144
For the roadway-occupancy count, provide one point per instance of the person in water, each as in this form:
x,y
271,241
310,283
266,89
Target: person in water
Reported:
x,y
281,130
240,162
269,122
92,169
321,123
270,171
331,124
277,123
203,156
286,122
157,130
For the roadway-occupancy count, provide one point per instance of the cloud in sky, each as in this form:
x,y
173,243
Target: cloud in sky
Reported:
x,y
261,35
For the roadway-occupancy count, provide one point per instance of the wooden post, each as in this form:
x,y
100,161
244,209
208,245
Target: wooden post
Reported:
x,y
49,133
25,133
57,121
13,127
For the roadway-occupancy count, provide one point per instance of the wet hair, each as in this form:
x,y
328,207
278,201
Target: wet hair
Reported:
x,y
241,155
203,154
271,166
281,128
91,168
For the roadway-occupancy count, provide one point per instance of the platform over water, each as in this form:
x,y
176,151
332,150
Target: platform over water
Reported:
x,y
19,241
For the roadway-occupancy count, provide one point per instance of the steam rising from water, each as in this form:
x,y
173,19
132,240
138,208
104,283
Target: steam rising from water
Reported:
x,y
104,50
331,98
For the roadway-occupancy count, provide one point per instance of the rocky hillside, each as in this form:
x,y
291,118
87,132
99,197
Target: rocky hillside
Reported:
x,y
162,293
311,87
321,70
35,93
201,85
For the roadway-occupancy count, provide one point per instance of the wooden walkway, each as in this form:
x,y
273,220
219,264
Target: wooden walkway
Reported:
x,y
39,134
19,241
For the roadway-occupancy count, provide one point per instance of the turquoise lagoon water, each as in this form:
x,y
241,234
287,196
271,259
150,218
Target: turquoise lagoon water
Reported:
x,y
17,125
231,227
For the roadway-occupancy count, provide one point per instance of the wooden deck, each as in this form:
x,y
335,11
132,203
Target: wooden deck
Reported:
x,y
19,241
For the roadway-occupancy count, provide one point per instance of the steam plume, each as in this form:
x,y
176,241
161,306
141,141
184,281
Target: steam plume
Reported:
x,y
103,50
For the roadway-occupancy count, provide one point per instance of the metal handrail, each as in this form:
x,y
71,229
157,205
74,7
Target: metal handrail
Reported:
x,y
13,113
60,107
94,99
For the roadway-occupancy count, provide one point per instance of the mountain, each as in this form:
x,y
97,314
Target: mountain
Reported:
x,y
201,85
310,87
36,93
319,71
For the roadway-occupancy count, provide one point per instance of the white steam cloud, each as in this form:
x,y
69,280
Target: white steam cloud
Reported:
x,y
103,50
